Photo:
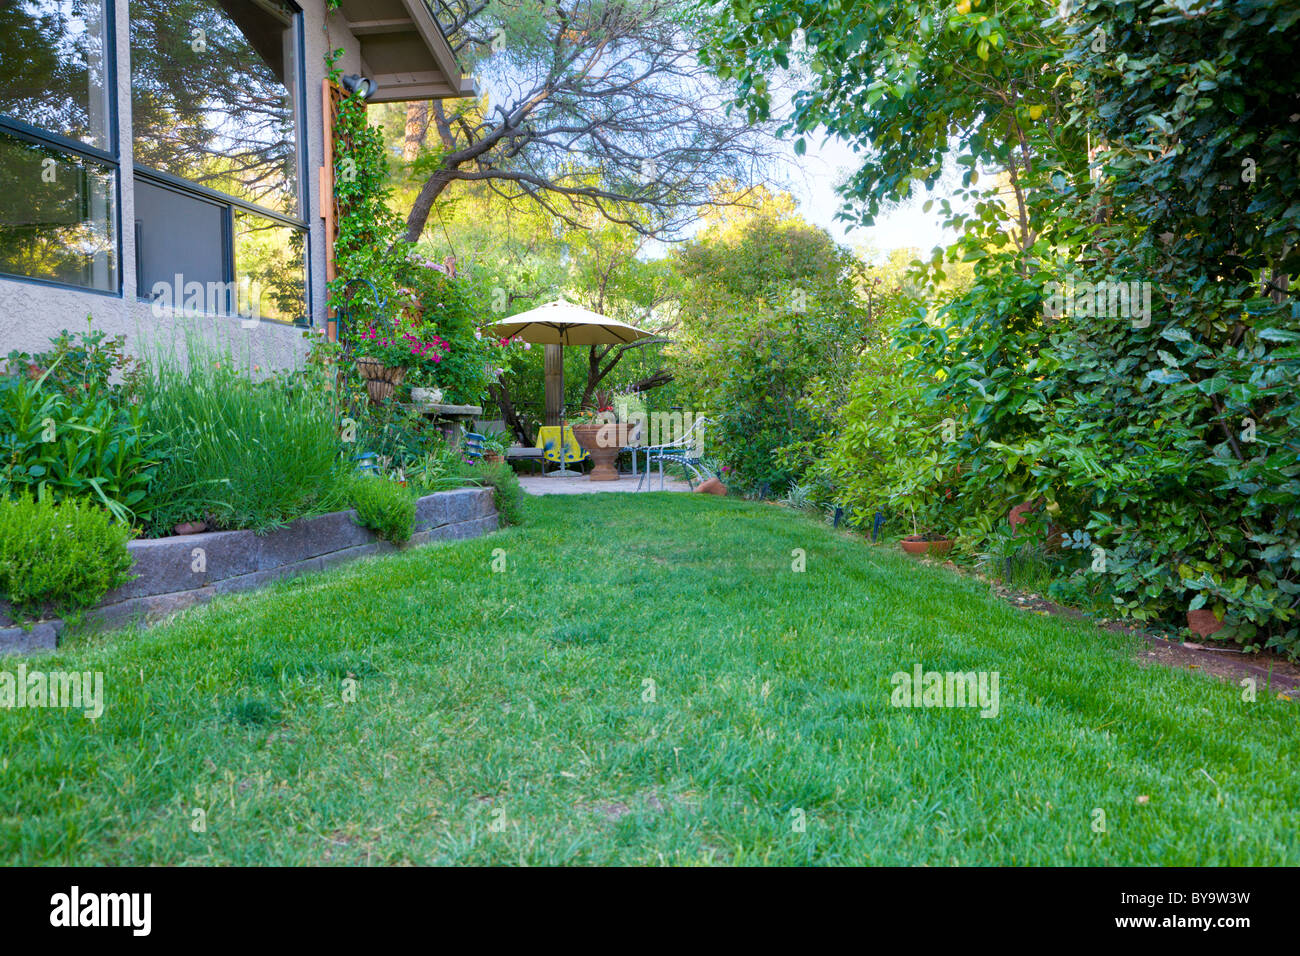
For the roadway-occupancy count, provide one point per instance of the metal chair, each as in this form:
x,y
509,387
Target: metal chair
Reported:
x,y
686,450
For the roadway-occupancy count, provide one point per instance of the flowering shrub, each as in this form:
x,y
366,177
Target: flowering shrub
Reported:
x,y
443,303
401,345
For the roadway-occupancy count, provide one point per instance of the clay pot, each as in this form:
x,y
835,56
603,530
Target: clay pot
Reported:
x,y
1020,514
381,379
712,486
916,544
1016,517
603,442
1204,622
494,458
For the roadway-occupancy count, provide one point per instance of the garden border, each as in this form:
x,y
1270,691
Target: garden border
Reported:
x,y
186,570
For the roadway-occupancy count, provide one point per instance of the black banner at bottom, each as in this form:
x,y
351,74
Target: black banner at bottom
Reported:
x,y
333,906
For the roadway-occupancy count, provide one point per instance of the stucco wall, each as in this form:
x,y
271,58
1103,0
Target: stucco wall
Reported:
x,y
31,313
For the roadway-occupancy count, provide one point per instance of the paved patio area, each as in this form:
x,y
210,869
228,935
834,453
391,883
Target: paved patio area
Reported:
x,y
538,485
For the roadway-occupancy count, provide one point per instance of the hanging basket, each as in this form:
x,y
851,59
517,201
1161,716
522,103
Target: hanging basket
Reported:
x,y
381,379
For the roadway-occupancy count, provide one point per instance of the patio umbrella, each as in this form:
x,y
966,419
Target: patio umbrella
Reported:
x,y
565,323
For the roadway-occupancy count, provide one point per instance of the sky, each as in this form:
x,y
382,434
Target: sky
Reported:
x,y
812,180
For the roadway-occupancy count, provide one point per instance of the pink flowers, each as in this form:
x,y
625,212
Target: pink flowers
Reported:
x,y
401,346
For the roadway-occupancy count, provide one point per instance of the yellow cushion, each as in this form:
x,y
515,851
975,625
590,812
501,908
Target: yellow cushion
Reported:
x,y
548,437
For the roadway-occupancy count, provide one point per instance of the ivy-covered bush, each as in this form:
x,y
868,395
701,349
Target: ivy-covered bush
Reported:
x,y
1136,142
1177,433
386,291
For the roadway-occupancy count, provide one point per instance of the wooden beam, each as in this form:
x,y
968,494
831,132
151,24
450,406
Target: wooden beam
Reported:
x,y
365,28
328,208
431,31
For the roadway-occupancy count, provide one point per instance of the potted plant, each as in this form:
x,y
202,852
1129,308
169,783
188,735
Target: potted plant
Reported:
x,y
495,446
383,355
602,436
924,510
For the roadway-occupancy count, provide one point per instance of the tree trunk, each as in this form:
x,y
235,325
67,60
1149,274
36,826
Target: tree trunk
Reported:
x,y
423,205
417,128
501,395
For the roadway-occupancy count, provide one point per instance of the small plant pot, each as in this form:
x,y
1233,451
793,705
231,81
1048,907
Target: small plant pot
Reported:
x,y
711,486
1020,514
1204,622
921,544
381,379
493,458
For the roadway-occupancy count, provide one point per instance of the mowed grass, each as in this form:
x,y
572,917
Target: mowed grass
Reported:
x,y
508,717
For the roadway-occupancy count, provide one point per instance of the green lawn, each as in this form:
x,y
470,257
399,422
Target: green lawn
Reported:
x,y
500,716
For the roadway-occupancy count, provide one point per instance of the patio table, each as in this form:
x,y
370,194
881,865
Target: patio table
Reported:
x,y
451,420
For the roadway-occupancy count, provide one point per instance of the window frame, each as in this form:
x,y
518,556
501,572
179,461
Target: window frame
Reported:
x,y
178,184
109,159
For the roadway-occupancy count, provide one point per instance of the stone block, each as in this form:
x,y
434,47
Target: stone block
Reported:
x,y
185,562
40,638
311,537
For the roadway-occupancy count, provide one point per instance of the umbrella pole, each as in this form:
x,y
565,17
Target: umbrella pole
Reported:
x,y
564,471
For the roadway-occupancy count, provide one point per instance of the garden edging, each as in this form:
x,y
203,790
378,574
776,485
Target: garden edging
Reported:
x,y
182,571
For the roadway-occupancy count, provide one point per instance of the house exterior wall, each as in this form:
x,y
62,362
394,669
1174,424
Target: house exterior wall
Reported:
x,y
31,313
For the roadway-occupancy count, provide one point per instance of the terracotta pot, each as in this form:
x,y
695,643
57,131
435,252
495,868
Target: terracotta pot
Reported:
x,y
916,544
603,442
1020,514
381,379
1204,622
494,458
711,486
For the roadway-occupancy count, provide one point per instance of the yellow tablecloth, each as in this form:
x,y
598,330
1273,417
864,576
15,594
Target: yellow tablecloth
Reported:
x,y
548,437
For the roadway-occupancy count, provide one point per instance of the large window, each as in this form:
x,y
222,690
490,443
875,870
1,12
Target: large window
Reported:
x,y
216,99
214,96
58,169
53,74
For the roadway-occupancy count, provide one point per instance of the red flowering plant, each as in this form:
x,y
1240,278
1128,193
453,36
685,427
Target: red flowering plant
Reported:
x,y
401,344
598,411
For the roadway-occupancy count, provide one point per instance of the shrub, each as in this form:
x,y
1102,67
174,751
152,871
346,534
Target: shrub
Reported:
x,y
884,451
243,454
76,360
59,556
70,442
383,506
507,493
398,437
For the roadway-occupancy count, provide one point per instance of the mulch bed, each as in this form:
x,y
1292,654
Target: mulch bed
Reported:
x,y
1274,673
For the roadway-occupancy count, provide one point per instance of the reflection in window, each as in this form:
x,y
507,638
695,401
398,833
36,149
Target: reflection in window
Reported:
x,y
270,268
52,69
213,94
57,216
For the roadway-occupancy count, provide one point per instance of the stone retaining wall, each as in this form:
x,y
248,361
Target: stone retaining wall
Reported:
x,y
179,572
